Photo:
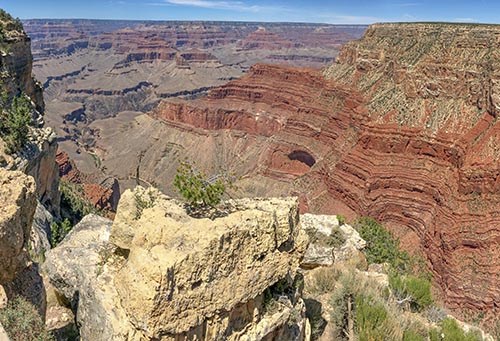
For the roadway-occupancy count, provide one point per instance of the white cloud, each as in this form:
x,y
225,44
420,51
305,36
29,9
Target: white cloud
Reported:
x,y
218,4
408,4
334,18
465,20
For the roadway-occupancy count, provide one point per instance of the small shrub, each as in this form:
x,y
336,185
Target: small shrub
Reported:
x,y
335,239
22,322
15,122
451,331
410,335
323,281
73,202
196,189
341,219
58,231
381,246
435,314
143,201
371,319
339,313
415,289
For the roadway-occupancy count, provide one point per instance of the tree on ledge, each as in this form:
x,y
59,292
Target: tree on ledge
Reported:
x,y
15,122
196,189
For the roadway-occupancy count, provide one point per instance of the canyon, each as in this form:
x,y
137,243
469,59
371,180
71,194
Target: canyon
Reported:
x,y
402,127
95,69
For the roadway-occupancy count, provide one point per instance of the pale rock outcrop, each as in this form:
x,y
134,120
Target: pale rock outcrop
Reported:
x,y
330,241
174,277
18,275
40,231
38,159
352,246
3,297
17,195
73,268
319,228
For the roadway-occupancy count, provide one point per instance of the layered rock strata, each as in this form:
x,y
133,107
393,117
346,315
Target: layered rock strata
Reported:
x,y
158,273
418,151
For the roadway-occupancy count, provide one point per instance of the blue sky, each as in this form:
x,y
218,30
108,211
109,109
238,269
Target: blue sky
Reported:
x,y
326,11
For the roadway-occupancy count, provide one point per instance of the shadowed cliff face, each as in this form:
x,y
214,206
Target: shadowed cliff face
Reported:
x,y
417,151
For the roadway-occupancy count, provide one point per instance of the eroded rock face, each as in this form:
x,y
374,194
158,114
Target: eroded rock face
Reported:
x,y
221,263
37,157
75,269
329,241
18,275
17,65
40,230
17,194
174,277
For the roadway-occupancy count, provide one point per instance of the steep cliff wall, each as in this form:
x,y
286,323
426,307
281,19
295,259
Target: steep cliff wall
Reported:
x,y
37,158
16,63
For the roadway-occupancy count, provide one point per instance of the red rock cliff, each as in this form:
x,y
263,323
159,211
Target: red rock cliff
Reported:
x,y
418,151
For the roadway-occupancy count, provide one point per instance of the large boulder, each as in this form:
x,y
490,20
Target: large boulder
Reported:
x,y
18,198
40,231
169,276
18,276
330,241
74,268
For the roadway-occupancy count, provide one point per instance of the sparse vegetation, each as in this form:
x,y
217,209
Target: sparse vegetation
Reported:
x,y
408,278
364,309
335,239
450,331
411,335
381,247
341,219
323,281
371,319
143,201
412,289
197,190
22,322
16,23
58,231
15,121
73,203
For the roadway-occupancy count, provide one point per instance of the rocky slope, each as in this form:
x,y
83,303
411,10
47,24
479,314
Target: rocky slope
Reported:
x,y
417,151
157,273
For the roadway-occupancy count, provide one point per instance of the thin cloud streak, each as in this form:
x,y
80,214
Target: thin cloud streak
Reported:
x,y
408,4
239,6
465,20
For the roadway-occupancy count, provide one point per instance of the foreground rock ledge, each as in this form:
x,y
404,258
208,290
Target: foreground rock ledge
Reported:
x,y
160,274
18,202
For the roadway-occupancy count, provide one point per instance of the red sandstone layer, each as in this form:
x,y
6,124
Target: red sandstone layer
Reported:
x,y
103,195
437,190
